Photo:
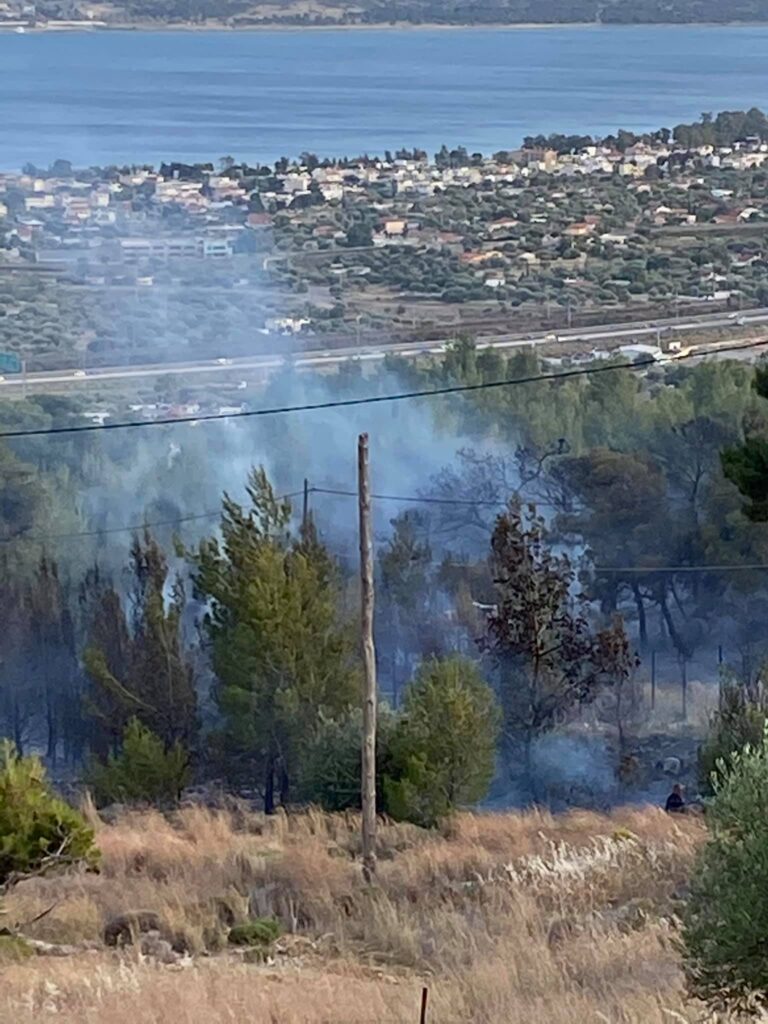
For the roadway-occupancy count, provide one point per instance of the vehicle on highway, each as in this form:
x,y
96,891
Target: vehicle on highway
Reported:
x,y
224,362
79,373
550,337
733,316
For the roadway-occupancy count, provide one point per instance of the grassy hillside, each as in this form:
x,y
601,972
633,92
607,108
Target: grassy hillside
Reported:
x,y
510,918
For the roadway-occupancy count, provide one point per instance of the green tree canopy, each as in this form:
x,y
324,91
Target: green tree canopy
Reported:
x,y
739,721
723,932
443,749
136,662
38,831
746,464
144,771
281,651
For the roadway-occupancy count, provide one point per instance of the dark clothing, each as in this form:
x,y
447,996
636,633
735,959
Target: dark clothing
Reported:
x,y
675,804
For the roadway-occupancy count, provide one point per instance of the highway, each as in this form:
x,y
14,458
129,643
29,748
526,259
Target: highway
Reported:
x,y
264,364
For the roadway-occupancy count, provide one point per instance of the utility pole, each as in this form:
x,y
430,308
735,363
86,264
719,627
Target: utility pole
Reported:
x,y
369,661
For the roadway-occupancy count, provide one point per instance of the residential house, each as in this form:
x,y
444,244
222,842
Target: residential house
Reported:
x,y
495,281
395,228
44,201
477,258
579,230
258,220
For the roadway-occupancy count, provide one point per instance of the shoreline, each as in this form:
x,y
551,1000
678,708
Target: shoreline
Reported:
x,y
404,26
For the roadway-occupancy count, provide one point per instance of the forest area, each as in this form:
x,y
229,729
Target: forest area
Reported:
x,y
152,621
180,689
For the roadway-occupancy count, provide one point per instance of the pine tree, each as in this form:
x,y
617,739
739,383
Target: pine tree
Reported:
x,y
19,688
39,831
24,512
746,464
443,749
136,663
283,658
723,932
53,658
144,771
406,625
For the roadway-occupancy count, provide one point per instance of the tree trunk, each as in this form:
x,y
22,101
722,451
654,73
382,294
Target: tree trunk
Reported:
x,y
528,765
620,721
269,787
285,785
641,619
50,722
674,636
18,732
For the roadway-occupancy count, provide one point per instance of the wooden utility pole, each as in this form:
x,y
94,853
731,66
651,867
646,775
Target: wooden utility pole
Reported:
x,y
369,661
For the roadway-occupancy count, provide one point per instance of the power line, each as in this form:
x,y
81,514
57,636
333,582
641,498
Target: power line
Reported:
x,y
418,499
749,567
399,497
134,528
41,538
339,492
613,569
346,403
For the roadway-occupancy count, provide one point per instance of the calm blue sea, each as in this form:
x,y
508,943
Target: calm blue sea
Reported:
x,y
144,96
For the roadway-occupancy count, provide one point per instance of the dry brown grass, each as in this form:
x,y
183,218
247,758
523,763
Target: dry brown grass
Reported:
x,y
507,918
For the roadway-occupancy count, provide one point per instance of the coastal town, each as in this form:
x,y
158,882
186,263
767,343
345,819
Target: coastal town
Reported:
x,y
246,14
561,231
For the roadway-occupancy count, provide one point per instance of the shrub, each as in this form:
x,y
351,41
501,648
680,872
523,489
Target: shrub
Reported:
x,y
444,743
144,771
738,721
262,932
14,950
37,829
332,762
723,934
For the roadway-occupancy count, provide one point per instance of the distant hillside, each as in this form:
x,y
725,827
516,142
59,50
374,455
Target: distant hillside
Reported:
x,y
243,13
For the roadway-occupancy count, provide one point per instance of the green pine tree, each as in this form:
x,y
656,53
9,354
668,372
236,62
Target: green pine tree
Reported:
x,y
143,772
136,664
443,750
283,656
38,831
723,935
